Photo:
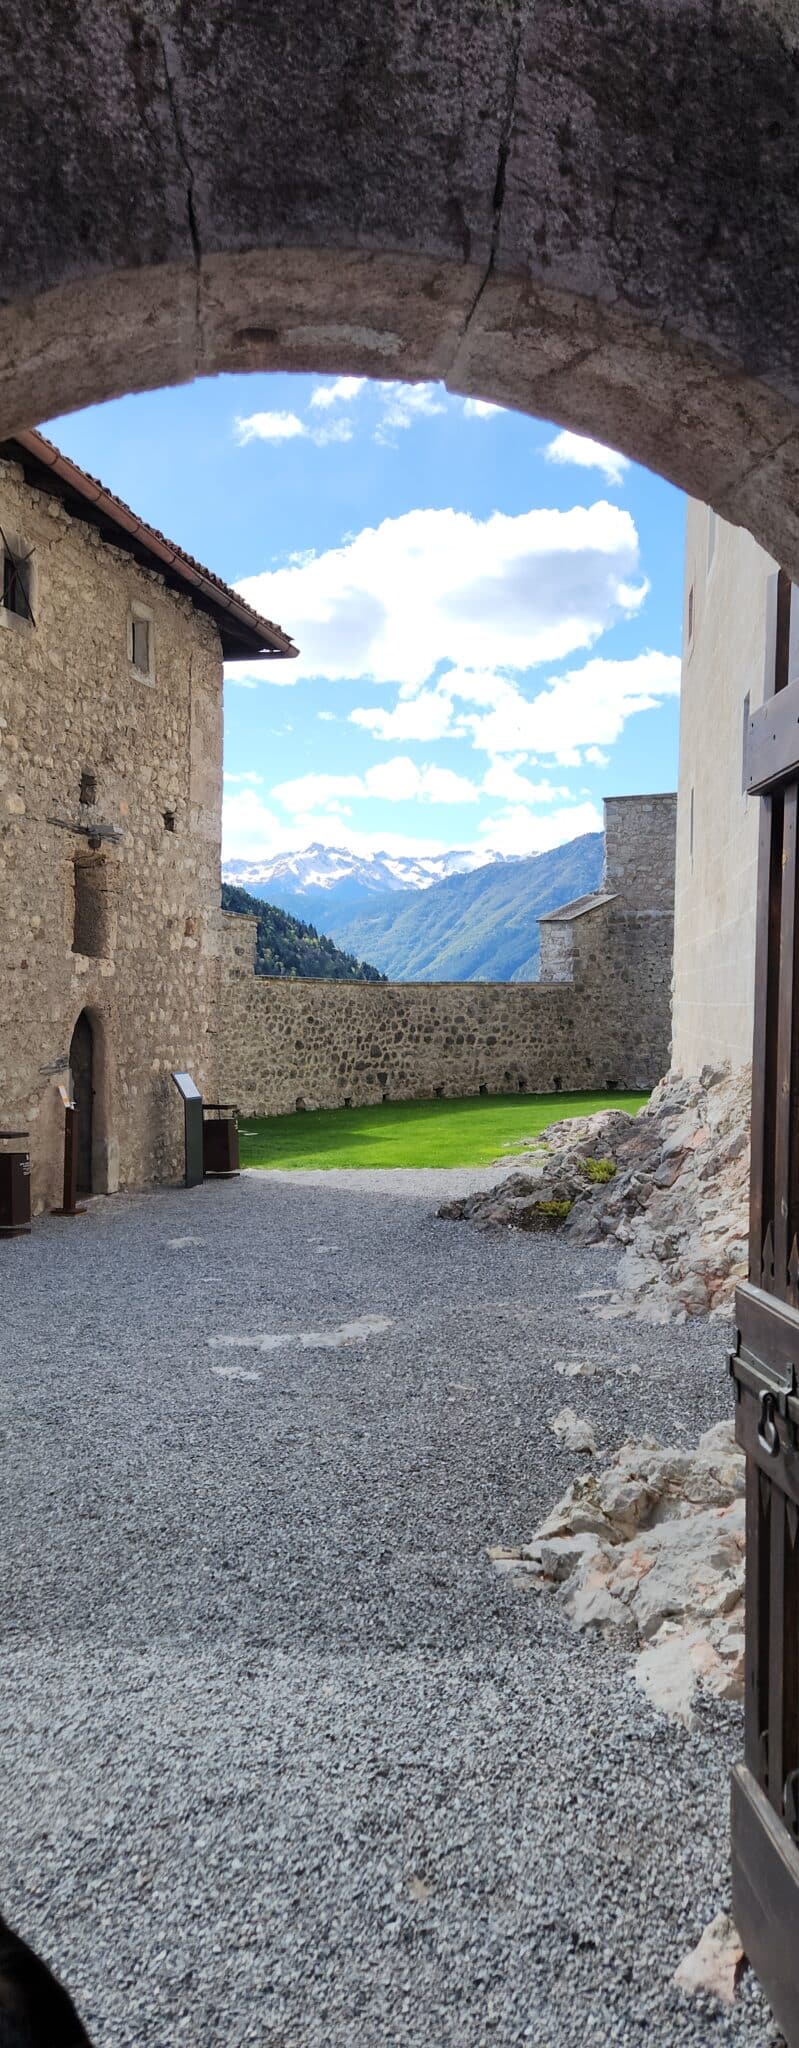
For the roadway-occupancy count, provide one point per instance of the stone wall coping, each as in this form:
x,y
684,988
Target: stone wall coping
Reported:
x,y
658,796
382,988
581,906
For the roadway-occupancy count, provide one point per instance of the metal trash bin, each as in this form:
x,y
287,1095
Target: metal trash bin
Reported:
x,y
15,1185
220,1138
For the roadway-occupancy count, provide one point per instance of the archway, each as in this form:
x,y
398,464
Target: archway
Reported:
x,y
91,1087
588,213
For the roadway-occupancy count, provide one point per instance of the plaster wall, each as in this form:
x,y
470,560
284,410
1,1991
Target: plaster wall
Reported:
x,y
71,703
726,579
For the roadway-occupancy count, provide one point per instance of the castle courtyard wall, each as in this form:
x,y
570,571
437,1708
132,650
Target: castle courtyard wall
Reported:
x,y
71,703
324,1044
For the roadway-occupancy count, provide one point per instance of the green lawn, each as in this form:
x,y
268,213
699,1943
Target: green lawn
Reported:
x,y
465,1132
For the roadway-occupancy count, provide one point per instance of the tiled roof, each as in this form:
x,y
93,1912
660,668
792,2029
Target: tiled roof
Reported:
x,y
244,634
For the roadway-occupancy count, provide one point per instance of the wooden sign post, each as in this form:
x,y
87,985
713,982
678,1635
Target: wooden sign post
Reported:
x,y
72,1207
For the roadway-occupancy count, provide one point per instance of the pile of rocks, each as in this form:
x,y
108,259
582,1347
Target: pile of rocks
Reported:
x,y
670,1185
650,1550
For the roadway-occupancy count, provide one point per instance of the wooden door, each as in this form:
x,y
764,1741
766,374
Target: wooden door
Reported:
x,y
81,1064
765,1363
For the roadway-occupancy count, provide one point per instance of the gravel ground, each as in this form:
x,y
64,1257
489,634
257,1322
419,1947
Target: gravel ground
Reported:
x,y
286,1762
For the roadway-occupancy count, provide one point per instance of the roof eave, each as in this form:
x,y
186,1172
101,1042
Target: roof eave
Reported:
x,y
245,636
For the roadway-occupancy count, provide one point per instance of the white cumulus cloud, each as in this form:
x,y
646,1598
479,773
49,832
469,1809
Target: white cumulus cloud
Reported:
x,y
342,392
588,706
269,426
253,831
393,782
503,780
287,426
480,409
516,830
584,709
587,454
509,591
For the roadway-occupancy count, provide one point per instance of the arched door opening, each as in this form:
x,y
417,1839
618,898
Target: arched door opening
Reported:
x,y
81,1065
588,217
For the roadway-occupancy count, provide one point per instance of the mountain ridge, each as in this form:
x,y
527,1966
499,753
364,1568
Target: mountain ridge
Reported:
x,y
306,881
481,926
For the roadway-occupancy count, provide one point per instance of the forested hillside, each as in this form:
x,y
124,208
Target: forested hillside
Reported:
x,y
474,927
288,948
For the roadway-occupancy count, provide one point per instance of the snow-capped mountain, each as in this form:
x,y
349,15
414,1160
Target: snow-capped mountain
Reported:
x,y
324,881
325,867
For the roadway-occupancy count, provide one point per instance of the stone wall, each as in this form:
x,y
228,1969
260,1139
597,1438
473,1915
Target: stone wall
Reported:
x,y
601,1021
622,966
324,1043
639,851
72,704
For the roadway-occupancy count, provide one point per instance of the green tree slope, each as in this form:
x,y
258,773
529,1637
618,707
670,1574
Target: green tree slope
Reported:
x,y
287,948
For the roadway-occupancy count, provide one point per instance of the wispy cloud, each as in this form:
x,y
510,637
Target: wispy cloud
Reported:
x,y
586,454
403,405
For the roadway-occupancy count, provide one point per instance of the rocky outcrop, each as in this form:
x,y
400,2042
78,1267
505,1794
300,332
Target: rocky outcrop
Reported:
x,y
670,1185
650,1550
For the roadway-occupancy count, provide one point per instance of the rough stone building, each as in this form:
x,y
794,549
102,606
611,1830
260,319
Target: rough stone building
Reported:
x,y
598,1017
111,649
723,673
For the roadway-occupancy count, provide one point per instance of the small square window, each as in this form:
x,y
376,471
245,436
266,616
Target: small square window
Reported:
x,y
140,638
88,787
17,583
170,821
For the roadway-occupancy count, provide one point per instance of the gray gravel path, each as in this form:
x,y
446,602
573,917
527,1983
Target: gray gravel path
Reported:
x,y
286,1762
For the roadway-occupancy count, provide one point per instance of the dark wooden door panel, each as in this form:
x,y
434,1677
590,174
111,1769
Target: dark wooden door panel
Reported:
x,y
765,1363
765,1889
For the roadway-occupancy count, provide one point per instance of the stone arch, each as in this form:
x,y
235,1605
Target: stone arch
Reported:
x,y
90,1032
588,212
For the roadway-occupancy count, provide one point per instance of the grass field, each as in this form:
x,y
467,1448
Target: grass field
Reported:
x,y
465,1132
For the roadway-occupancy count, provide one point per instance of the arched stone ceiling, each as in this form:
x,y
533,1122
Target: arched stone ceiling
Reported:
x,y
584,208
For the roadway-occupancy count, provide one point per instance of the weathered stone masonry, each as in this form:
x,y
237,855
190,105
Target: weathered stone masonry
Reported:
x,y
601,1019
127,932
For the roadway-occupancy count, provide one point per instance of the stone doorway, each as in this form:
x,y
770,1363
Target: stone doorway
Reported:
x,y
81,1062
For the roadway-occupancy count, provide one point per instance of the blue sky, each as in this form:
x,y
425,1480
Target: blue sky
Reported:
x,y
488,610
